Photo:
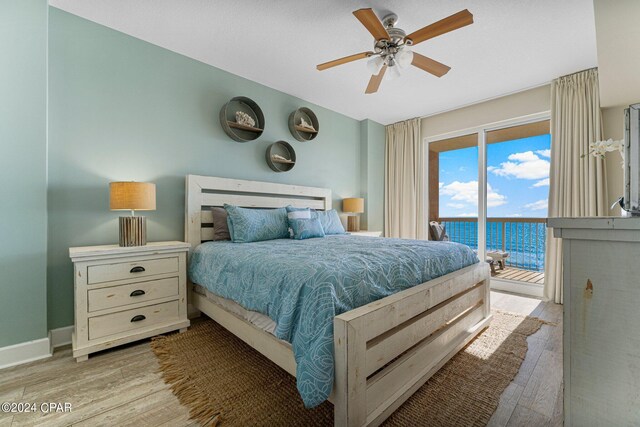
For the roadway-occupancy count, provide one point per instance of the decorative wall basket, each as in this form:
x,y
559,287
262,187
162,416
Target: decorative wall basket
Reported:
x,y
281,157
238,131
296,124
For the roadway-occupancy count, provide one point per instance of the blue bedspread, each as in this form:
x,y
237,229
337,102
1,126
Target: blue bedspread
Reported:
x,y
303,284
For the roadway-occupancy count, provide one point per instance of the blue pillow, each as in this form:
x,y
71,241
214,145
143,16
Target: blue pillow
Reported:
x,y
306,228
255,225
330,221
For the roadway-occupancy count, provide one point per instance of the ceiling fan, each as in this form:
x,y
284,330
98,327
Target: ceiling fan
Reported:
x,y
391,48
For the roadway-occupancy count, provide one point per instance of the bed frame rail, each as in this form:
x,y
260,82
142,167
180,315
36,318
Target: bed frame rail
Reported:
x,y
386,350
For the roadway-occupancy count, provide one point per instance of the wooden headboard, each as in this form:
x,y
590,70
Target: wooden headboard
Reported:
x,y
203,192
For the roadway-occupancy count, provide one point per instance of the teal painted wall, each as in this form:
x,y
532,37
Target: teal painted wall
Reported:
x,y
124,109
23,68
372,148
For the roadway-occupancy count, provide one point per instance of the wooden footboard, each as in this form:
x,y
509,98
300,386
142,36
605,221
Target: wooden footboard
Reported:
x,y
386,350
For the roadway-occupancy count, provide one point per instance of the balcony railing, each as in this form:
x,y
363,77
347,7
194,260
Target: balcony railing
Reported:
x,y
523,238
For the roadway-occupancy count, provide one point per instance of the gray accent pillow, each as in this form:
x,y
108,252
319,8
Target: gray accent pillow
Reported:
x,y
438,232
220,227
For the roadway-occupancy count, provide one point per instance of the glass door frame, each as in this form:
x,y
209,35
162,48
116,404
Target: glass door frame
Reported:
x,y
481,131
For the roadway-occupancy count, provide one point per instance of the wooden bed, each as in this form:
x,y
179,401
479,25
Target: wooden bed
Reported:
x,y
384,351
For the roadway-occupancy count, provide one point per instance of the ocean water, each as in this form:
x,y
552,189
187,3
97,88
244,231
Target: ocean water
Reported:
x,y
525,241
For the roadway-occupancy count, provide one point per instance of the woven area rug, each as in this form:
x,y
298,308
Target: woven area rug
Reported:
x,y
224,381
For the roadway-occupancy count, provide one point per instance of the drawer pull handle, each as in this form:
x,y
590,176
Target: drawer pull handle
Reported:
x,y
138,318
137,293
137,269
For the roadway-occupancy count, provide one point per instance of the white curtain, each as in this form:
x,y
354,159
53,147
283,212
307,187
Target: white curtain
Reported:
x,y
404,184
577,180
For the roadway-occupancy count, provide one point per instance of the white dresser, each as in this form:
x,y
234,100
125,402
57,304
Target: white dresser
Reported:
x,y
601,258
123,294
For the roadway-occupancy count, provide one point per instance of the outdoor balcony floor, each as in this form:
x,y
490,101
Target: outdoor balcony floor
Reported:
x,y
520,275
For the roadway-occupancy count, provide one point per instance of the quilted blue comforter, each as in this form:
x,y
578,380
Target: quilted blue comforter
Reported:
x,y
303,284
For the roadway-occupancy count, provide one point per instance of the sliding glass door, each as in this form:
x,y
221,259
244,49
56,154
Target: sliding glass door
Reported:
x,y
489,189
517,191
453,187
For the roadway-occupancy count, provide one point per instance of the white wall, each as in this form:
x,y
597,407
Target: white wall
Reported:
x,y
618,42
519,104
613,127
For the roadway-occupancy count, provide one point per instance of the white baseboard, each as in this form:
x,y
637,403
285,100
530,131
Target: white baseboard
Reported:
x,y
60,336
528,289
34,350
24,352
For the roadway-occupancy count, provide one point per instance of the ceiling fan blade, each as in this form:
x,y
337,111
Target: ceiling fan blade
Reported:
x,y
429,65
374,82
372,23
453,22
344,60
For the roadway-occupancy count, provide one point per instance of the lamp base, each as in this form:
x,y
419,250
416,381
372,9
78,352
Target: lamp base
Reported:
x,y
133,231
353,223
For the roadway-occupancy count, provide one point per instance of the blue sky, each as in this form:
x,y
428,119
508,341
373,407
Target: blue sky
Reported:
x,y
517,179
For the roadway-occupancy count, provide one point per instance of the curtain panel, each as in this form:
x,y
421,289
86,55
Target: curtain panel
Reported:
x,y
578,185
405,187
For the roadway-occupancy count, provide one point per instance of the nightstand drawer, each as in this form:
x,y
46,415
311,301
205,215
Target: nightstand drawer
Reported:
x,y
128,270
118,296
129,320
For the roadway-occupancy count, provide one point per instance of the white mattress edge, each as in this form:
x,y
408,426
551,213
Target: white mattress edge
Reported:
x,y
259,320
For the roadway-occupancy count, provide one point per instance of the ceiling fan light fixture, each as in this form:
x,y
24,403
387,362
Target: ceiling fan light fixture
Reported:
x,y
393,72
404,57
374,65
391,48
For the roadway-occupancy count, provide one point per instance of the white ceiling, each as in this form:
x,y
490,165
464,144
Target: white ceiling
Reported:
x,y
512,45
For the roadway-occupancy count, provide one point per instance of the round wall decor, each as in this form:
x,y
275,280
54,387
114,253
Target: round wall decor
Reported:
x,y
303,124
281,157
242,119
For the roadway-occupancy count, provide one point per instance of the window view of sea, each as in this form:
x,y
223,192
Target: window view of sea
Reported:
x,y
523,238
517,190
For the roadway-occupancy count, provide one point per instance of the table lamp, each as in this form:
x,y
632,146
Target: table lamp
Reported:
x,y
353,205
132,196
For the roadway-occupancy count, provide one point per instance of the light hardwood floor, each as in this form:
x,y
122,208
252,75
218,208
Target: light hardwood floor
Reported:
x,y
123,386
534,397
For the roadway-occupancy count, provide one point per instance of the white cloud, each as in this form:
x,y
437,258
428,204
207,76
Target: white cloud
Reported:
x,y
440,184
468,214
544,153
516,215
526,165
467,192
542,183
456,205
539,205
526,156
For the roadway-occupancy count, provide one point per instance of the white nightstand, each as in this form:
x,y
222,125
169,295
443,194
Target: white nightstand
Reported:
x,y
366,233
123,294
